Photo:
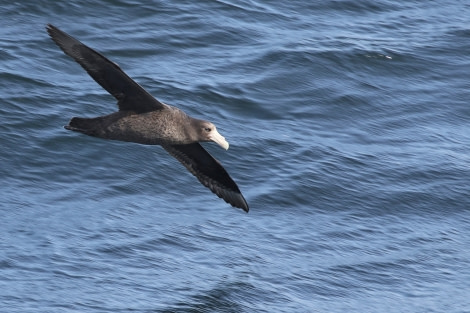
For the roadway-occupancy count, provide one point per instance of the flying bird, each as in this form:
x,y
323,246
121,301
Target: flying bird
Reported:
x,y
143,119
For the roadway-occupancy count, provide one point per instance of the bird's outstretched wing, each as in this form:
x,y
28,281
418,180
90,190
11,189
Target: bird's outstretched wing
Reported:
x,y
209,172
130,95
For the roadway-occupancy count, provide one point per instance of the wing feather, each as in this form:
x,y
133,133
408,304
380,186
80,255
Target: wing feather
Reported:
x,y
209,172
130,95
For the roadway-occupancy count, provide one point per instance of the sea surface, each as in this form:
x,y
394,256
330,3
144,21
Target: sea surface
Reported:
x,y
349,131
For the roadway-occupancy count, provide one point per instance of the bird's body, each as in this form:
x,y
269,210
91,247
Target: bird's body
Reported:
x,y
143,119
150,128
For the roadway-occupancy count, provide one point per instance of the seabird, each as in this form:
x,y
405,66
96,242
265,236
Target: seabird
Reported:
x,y
143,119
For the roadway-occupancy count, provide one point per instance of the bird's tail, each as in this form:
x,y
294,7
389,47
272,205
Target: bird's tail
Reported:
x,y
84,125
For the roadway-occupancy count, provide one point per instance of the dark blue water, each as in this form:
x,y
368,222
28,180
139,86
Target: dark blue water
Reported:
x,y
348,124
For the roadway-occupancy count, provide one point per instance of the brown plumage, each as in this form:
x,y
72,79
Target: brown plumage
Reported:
x,y
143,119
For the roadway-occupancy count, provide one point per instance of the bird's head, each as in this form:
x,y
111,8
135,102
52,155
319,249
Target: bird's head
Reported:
x,y
208,132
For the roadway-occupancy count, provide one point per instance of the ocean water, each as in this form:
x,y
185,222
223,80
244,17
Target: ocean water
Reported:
x,y
348,124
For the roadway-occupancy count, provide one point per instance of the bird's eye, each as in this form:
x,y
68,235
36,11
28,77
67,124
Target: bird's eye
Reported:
x,y
207,129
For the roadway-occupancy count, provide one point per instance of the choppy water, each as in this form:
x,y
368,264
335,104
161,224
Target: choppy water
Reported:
x,y
349,130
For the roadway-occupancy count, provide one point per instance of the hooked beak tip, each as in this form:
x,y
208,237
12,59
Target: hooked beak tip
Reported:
x,y
220,140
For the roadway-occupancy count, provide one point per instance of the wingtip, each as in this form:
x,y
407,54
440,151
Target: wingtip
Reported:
x,y
238,205
50,27
53,32
244,205
232,197
239,202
